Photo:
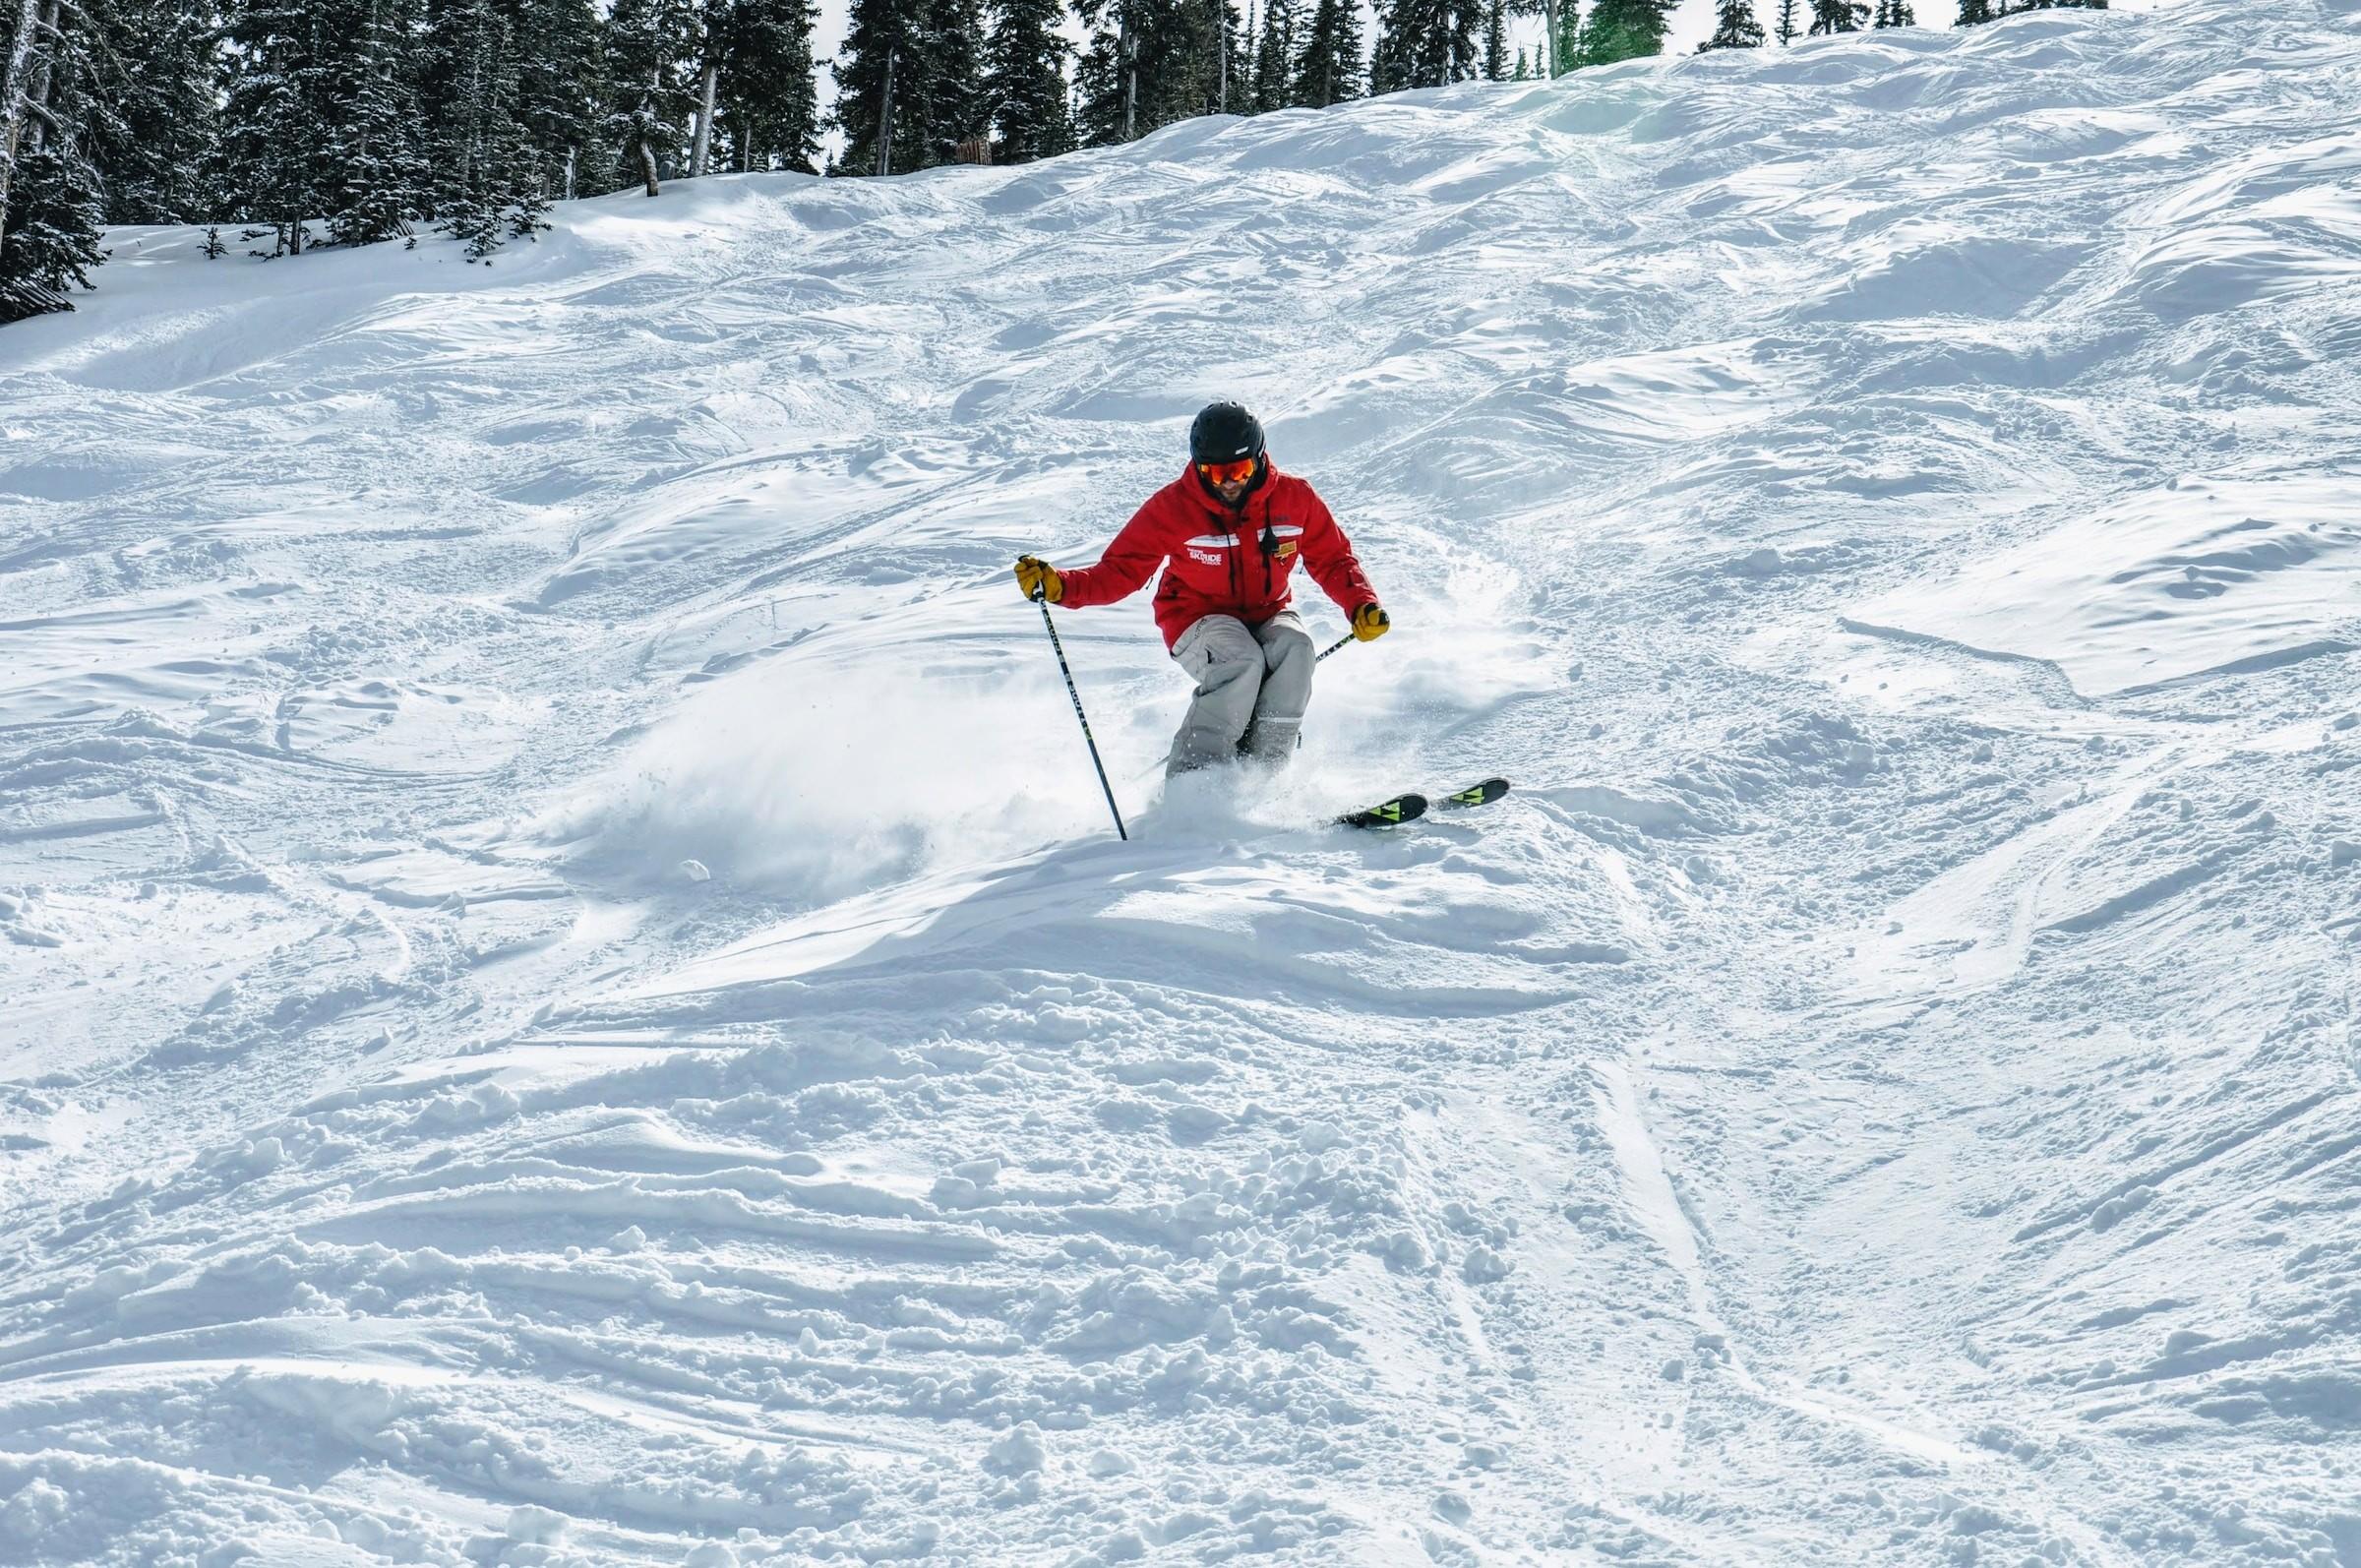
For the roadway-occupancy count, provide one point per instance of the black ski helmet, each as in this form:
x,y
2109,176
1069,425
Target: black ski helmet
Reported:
x,y
1224,432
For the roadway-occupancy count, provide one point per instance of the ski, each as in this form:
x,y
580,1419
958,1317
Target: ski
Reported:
x,y
1410,807
1387,814
1483,794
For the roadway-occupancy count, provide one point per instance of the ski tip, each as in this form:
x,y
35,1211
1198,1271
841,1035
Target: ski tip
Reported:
x,y
1483,794
1387,814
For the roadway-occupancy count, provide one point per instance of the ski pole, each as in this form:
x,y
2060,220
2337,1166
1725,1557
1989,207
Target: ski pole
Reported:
x,y
1333,646
1088,739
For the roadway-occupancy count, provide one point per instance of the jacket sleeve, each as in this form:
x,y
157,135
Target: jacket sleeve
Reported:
x,y
1137,551
1328,554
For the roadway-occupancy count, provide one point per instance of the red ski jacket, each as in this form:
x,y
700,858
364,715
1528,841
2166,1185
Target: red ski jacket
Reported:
x,y
1220,562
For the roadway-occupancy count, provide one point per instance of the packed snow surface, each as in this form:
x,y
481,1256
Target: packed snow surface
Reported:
x,y
571,997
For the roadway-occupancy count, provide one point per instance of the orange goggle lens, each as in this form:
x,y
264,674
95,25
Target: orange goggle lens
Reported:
x,y
1227,473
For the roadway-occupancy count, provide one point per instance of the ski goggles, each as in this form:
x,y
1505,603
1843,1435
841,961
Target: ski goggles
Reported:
x,y
1228,473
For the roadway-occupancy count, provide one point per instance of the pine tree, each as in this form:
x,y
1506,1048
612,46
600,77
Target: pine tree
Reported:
x,y
1495,43
1894,14
1099,77
321,119
1275,59
769,100
881,52
1734,28
491,179
1148,64
1565,41
1024,79
1328,68
49,205
1622,29
51,242
24,61
947,97
1838,16
1425,44
651,58
561,90
1238,57
1786,29
1522,74
156,132
1974,13
275,165
373,166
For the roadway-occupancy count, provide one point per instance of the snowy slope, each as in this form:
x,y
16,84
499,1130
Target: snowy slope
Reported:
x,y
1881,1092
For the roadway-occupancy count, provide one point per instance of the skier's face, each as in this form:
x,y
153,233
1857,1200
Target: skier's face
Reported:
x,y
1229,479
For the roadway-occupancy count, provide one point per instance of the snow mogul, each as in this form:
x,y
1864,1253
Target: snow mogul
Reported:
x,y
1227,534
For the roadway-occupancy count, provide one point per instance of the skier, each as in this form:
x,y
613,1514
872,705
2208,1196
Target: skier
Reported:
x,y
1227,533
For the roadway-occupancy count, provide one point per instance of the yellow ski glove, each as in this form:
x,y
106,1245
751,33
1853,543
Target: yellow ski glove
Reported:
x,y
1039,580
1370,621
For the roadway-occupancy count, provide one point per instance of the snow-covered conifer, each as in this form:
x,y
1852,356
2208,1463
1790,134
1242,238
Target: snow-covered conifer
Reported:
x,y
491,179
156,134
1838,16
376,170
1425,44
50,203
1025,80
1328,65
769,101
1622,29
950,103
651,58
1734,28
882,54
1148,64
1275,59
1788,29
1495,43
561,86
274,136
51,242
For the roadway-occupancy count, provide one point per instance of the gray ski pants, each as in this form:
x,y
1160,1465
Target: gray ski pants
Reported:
x,y
1254,683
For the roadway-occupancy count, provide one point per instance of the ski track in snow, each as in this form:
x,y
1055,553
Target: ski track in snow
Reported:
x,y
1882,1090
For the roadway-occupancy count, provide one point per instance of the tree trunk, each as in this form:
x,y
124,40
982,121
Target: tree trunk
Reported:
x,y
647,165
885,121
1549,40
37,92
475,101
1130,51
704,119
16,99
